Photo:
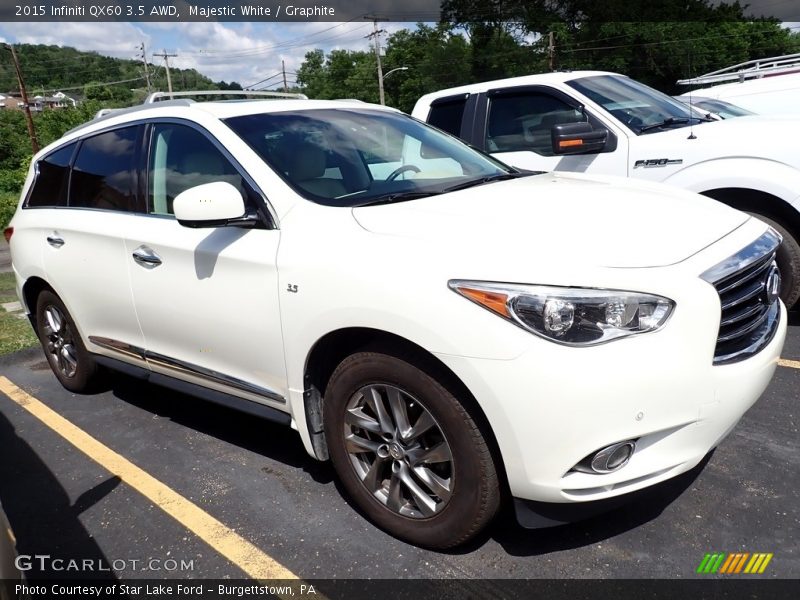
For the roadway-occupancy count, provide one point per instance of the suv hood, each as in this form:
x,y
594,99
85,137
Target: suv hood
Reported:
x,y
601,221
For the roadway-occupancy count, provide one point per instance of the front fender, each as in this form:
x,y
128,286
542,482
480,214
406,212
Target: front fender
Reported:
x,y
763,175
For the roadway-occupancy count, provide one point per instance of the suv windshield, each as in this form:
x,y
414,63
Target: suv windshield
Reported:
x,y
639,107
349,157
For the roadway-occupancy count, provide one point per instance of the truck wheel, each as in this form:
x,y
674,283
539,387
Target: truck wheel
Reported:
x,y
788,259
407,451
72,364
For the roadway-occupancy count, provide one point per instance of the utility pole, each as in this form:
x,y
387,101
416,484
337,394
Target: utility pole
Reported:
x,y
551,49
376,33
166,58
283,68
146,68
24,93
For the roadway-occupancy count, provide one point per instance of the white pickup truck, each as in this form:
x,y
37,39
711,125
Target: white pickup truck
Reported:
x,y
604,123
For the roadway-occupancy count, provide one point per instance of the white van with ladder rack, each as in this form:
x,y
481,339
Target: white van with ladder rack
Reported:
x,y
767,86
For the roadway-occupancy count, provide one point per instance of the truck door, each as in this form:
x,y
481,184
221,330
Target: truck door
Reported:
x,y
518,126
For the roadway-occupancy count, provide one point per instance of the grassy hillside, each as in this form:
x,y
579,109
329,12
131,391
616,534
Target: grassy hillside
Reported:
x,y
56,68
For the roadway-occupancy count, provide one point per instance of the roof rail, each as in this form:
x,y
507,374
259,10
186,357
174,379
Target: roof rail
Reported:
x,y
107,113
161,96
752,69
165,99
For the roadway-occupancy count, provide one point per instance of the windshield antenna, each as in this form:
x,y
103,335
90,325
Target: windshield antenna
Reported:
x,y
692,136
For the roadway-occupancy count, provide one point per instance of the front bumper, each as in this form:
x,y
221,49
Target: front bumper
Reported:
x,y
554,405
539,515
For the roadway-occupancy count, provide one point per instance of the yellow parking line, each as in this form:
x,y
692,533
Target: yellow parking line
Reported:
x,y
792,364
224,540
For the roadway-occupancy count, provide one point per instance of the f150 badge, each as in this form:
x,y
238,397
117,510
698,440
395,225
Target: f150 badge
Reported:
x,y
649,163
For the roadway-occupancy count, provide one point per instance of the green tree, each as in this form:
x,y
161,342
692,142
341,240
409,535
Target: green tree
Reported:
x,y
52,124
340,74
15,148
678,39
435,57
312,76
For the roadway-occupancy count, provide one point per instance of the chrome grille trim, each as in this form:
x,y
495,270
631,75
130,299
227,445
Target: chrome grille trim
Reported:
x,y
749,318
752,273
766,244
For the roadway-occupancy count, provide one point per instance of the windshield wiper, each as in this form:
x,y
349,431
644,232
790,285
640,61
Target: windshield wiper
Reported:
x,y
397,197
415,194
665,123
489,179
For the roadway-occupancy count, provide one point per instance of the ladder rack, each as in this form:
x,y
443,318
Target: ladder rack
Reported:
x,y
752,69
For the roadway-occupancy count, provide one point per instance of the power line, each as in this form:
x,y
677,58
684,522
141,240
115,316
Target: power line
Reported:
x,y
252,85
280,46
93,84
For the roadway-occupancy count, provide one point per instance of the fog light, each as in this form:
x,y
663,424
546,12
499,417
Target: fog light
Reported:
x,y
607,460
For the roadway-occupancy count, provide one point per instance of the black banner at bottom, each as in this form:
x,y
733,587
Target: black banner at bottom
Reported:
x,y
419,589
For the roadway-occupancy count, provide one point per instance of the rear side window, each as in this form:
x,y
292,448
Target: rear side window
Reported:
x,y
447,115
104,173
52,178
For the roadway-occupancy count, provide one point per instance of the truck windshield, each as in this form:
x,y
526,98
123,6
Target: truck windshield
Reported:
x,y
640,108
355,157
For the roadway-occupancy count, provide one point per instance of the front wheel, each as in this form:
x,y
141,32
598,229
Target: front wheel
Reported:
x,y
71,363
407,452
788,259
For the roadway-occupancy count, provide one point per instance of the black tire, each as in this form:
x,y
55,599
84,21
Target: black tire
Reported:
x,y
788,259
473,493
72,364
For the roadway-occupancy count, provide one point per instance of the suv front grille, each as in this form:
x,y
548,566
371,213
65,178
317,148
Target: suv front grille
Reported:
x,y
747,284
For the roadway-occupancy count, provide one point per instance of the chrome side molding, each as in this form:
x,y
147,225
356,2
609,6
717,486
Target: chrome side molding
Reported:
x,y
185,368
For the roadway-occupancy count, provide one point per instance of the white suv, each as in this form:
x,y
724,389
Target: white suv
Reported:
x,y
447,330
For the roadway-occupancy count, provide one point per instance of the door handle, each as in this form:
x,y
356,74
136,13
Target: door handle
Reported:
x,y
55,241
146,257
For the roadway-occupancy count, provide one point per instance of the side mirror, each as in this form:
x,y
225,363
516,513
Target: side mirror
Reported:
x,y
578,138
216,204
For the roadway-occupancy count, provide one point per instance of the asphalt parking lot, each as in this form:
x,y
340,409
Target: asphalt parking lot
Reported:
x,y
255,479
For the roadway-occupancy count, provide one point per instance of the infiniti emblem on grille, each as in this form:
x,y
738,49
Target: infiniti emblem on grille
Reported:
x,y
772,289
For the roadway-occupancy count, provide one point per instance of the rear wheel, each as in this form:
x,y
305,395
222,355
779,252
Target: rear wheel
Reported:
x,y
407,451
788,259
71,363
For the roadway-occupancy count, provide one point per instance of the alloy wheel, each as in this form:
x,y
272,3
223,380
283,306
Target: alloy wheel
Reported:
x,y
60,342
398,451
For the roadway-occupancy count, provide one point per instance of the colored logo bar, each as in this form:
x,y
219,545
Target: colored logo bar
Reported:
x,y
734,563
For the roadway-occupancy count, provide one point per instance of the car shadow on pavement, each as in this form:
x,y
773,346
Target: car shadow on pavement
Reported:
x,y
282,444
41,515
254,434
645,506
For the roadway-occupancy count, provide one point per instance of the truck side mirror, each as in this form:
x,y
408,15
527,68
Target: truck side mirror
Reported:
x,y
578,138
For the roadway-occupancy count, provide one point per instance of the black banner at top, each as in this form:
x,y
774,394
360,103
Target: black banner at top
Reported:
x,y
351,10
218,10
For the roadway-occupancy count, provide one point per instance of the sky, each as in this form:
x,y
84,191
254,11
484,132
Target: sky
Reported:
x,y
249,53
245,52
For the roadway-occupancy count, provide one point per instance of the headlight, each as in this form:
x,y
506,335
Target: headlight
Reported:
x,y
571,316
